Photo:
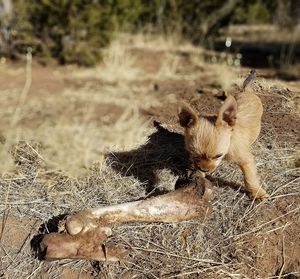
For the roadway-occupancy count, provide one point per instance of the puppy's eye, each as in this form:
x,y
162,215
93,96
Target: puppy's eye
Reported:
x,y
199,158
218,156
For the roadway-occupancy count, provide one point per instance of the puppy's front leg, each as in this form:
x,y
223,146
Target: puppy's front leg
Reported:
x,y
248,167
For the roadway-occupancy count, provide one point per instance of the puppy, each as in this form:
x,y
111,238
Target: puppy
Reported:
x,y
229,135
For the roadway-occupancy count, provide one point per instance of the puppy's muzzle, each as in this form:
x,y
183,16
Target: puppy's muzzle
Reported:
x,y
198,166
203,170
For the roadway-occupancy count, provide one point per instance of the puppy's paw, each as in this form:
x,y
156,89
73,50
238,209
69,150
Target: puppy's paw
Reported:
x,y
259,195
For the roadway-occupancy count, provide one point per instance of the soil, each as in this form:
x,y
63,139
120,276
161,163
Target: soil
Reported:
x,y
45,80
277,246
12,235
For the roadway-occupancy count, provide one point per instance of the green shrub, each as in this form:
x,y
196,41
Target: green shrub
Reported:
x,y
126,13
72,31
253,12
75,31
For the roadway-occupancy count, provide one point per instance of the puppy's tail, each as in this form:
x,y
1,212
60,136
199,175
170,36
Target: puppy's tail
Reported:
x,y
249,78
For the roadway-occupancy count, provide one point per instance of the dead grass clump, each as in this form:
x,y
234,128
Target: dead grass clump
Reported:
x,y
118,66
166,43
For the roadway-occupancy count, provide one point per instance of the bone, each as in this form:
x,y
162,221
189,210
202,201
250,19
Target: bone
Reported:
x,y
180,205
84,246
86,230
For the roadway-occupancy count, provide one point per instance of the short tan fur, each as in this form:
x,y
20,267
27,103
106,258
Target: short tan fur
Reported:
x,y
229,135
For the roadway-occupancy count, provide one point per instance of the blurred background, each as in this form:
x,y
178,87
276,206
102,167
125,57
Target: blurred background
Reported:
x,y
267,32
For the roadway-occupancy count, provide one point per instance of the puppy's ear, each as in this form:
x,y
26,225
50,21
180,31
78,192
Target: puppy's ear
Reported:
x,y
188,117
227,112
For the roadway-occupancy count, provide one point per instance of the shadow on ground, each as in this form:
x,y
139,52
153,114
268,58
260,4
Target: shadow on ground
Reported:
x,y
163,150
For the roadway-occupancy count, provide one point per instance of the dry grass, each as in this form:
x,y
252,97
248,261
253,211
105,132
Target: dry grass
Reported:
x,y
59,166
121,65
165,43
77,130
118,65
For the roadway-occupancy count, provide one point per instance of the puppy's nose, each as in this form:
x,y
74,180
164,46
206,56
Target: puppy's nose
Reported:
x,y
204,170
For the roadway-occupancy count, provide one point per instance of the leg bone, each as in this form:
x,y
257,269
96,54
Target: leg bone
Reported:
x,y
86,230
180,205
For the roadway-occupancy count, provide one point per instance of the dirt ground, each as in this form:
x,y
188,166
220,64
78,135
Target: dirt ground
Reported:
x,y
85,138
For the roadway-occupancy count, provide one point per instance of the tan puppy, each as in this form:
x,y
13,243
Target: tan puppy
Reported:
x,y
209,139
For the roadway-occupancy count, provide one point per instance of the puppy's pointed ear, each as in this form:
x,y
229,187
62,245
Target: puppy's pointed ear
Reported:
x,y
227,112
188,117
